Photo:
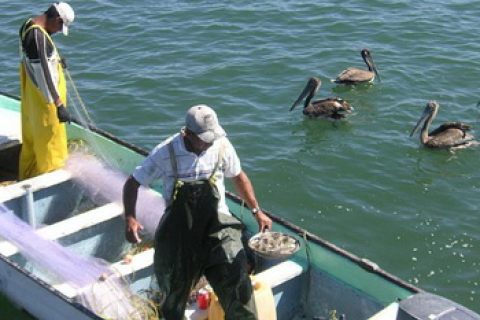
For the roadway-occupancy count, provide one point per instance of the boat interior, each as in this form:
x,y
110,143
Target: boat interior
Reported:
x,y
61,211
94,228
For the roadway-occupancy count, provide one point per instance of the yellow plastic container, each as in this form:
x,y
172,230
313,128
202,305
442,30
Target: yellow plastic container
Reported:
x,y
215,310
263,299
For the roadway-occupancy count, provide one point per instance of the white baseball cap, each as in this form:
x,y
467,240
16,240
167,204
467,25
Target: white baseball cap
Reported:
x,y
203,121
66,13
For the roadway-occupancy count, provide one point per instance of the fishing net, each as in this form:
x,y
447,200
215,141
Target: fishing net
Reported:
x,y
98,286
104,183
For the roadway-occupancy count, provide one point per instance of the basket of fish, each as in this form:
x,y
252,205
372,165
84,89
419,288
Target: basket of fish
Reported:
x,y
273,245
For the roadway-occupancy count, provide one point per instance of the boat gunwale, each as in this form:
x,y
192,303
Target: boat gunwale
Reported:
x,y
50,288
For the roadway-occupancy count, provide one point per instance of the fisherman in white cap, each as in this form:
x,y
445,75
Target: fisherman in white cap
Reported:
x,y
43,92
197,234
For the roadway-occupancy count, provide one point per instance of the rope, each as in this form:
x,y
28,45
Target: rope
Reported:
x,y
308,277
70,79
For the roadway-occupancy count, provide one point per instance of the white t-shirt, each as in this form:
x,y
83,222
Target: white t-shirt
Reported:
x,y
190,167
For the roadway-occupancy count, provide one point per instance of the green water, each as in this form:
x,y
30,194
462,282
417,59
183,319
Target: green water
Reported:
x,y
362,184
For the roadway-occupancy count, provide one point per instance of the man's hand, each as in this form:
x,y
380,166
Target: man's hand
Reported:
x,y
264,222
63,62
131,230
62,114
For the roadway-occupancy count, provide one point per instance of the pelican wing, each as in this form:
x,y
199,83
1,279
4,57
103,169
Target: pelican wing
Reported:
x,y
329,107
448,140
451,125
449,134
354,75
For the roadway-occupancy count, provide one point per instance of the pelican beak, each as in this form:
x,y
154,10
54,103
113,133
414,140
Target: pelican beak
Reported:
x,y
309,89
422,119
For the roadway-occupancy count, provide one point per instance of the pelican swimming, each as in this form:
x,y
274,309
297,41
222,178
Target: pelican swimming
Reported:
x,y
356,76
330,108
450,135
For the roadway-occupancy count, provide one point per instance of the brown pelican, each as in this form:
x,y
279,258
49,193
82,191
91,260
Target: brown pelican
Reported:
x,y
450,135
330,108
356,76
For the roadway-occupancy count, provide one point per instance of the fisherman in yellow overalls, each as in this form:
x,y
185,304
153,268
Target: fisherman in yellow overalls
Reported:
x,y
43,93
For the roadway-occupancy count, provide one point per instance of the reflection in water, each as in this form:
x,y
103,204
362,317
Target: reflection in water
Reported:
x,y
320,134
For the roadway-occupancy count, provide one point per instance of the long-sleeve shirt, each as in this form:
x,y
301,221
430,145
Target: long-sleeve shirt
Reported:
x,y
40,58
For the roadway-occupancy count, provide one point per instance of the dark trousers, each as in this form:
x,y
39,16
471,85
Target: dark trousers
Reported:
x,y
194,239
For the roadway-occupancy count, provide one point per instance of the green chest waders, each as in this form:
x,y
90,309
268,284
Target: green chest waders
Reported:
x,y
193,239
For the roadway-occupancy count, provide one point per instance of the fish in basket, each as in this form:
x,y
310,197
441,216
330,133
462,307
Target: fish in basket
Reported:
x,y
273,245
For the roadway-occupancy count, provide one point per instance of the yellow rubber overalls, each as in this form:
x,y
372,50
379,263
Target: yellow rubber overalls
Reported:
x,y
193,239
44,138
